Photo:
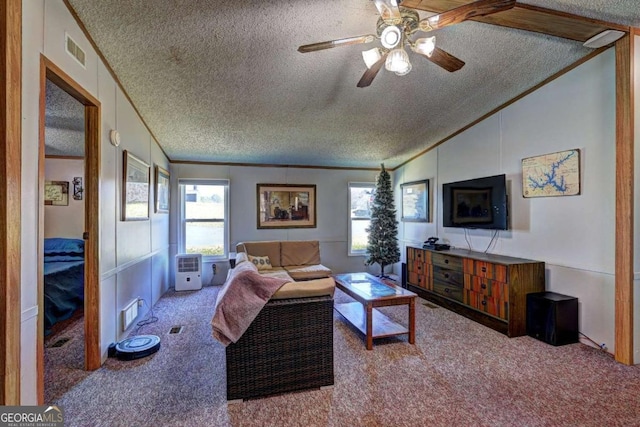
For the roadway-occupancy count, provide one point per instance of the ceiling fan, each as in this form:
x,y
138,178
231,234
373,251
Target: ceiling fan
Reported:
x,y
395,29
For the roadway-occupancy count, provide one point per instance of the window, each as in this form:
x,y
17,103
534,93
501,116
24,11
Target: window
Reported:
x,y
204,217
360,200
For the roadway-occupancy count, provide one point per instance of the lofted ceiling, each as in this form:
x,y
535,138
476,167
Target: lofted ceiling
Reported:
x,y
221,81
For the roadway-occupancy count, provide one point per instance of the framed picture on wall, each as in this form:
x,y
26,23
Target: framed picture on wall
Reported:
x,y
162,190
415,201
56,193
553,174
286,206
135,188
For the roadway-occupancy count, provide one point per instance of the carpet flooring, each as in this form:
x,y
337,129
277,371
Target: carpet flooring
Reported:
x,y
458,373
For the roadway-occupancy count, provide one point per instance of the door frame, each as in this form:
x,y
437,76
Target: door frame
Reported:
x,y
10,199
92,129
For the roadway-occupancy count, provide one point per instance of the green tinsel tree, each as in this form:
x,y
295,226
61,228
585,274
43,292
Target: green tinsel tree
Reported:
x,y
383,247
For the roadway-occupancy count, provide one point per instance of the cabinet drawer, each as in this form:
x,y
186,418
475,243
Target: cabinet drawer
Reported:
x,y
494,306
488,287
416,266
418,280
419,255
446,261
488,270
452,277
447,290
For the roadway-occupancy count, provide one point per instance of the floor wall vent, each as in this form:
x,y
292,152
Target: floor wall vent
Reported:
x,y
430,305
60,342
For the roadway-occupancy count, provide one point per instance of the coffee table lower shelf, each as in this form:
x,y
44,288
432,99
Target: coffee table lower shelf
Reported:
x,y
382,326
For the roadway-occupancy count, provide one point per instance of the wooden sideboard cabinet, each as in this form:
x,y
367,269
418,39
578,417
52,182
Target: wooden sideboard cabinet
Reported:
x,y
490,289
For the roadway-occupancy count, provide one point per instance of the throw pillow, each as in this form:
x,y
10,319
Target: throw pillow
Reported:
x,y
262,262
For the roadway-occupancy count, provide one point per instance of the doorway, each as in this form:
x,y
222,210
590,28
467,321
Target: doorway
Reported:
x,y
51,76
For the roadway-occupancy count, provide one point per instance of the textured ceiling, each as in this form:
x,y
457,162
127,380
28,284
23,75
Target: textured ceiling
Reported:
x,y
64,123
222,81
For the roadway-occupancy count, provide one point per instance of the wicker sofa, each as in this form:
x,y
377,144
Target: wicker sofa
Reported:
x,y
289,345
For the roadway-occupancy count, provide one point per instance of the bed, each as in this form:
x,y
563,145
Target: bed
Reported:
x,y
63,279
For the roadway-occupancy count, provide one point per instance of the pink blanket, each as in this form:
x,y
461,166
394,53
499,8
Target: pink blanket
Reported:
x,y
240,301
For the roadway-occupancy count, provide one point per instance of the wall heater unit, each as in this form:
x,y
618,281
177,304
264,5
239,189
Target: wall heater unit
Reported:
x,y
188,272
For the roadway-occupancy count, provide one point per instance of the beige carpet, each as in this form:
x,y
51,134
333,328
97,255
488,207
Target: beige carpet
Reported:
x,y
459,373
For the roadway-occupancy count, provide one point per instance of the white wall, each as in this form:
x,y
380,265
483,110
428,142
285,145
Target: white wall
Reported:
x,y
133,255
332,197
573,235
64,221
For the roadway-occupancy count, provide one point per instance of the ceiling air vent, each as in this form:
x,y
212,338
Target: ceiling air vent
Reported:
x,y
74,50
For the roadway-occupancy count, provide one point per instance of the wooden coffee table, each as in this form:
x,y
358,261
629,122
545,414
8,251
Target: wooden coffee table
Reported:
x,y
370,292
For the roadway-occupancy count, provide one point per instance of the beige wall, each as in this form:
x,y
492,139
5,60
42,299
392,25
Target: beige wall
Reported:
x,y
64,221
133,255
573,235
331,200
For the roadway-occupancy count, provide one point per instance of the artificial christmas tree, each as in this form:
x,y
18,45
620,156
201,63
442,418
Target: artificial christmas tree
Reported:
x,y
383,247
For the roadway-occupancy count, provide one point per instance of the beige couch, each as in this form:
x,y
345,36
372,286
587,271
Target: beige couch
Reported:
x,y
298,262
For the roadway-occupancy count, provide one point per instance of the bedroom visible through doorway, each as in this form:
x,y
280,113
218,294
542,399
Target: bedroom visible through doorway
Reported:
x,y
68,225
64,260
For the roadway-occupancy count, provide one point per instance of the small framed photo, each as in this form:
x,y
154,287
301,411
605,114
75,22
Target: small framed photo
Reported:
x,y
162,190
286,206
415,201
135,188
56,193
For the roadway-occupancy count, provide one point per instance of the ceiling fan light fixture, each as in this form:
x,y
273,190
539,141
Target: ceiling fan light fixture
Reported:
x,y
371,56
398,62
425,45
390,36
405,71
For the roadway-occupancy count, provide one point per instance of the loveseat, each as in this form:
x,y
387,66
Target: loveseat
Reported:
x,y
298,259
289,344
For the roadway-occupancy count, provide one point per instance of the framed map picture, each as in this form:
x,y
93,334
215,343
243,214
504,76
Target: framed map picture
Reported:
x,y
549,175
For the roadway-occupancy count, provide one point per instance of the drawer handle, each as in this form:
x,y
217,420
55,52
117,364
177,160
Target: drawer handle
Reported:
x,y
483,269
446,261
446,275
484,303
419,255
483,286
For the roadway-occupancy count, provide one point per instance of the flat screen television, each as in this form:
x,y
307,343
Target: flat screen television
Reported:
x,y
476,203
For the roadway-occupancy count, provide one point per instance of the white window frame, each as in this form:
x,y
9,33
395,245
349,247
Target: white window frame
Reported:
x,y
371,185
182,182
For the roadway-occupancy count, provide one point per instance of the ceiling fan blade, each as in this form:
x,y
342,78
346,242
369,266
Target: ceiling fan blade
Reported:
x,y
444,60
335,43
371,73
464,12
389,11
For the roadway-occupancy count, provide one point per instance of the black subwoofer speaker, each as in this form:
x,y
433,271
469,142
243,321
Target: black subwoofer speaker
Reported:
x,y
552,318
404,275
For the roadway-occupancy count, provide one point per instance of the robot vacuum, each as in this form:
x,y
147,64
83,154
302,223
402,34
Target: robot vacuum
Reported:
x,y
137,346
